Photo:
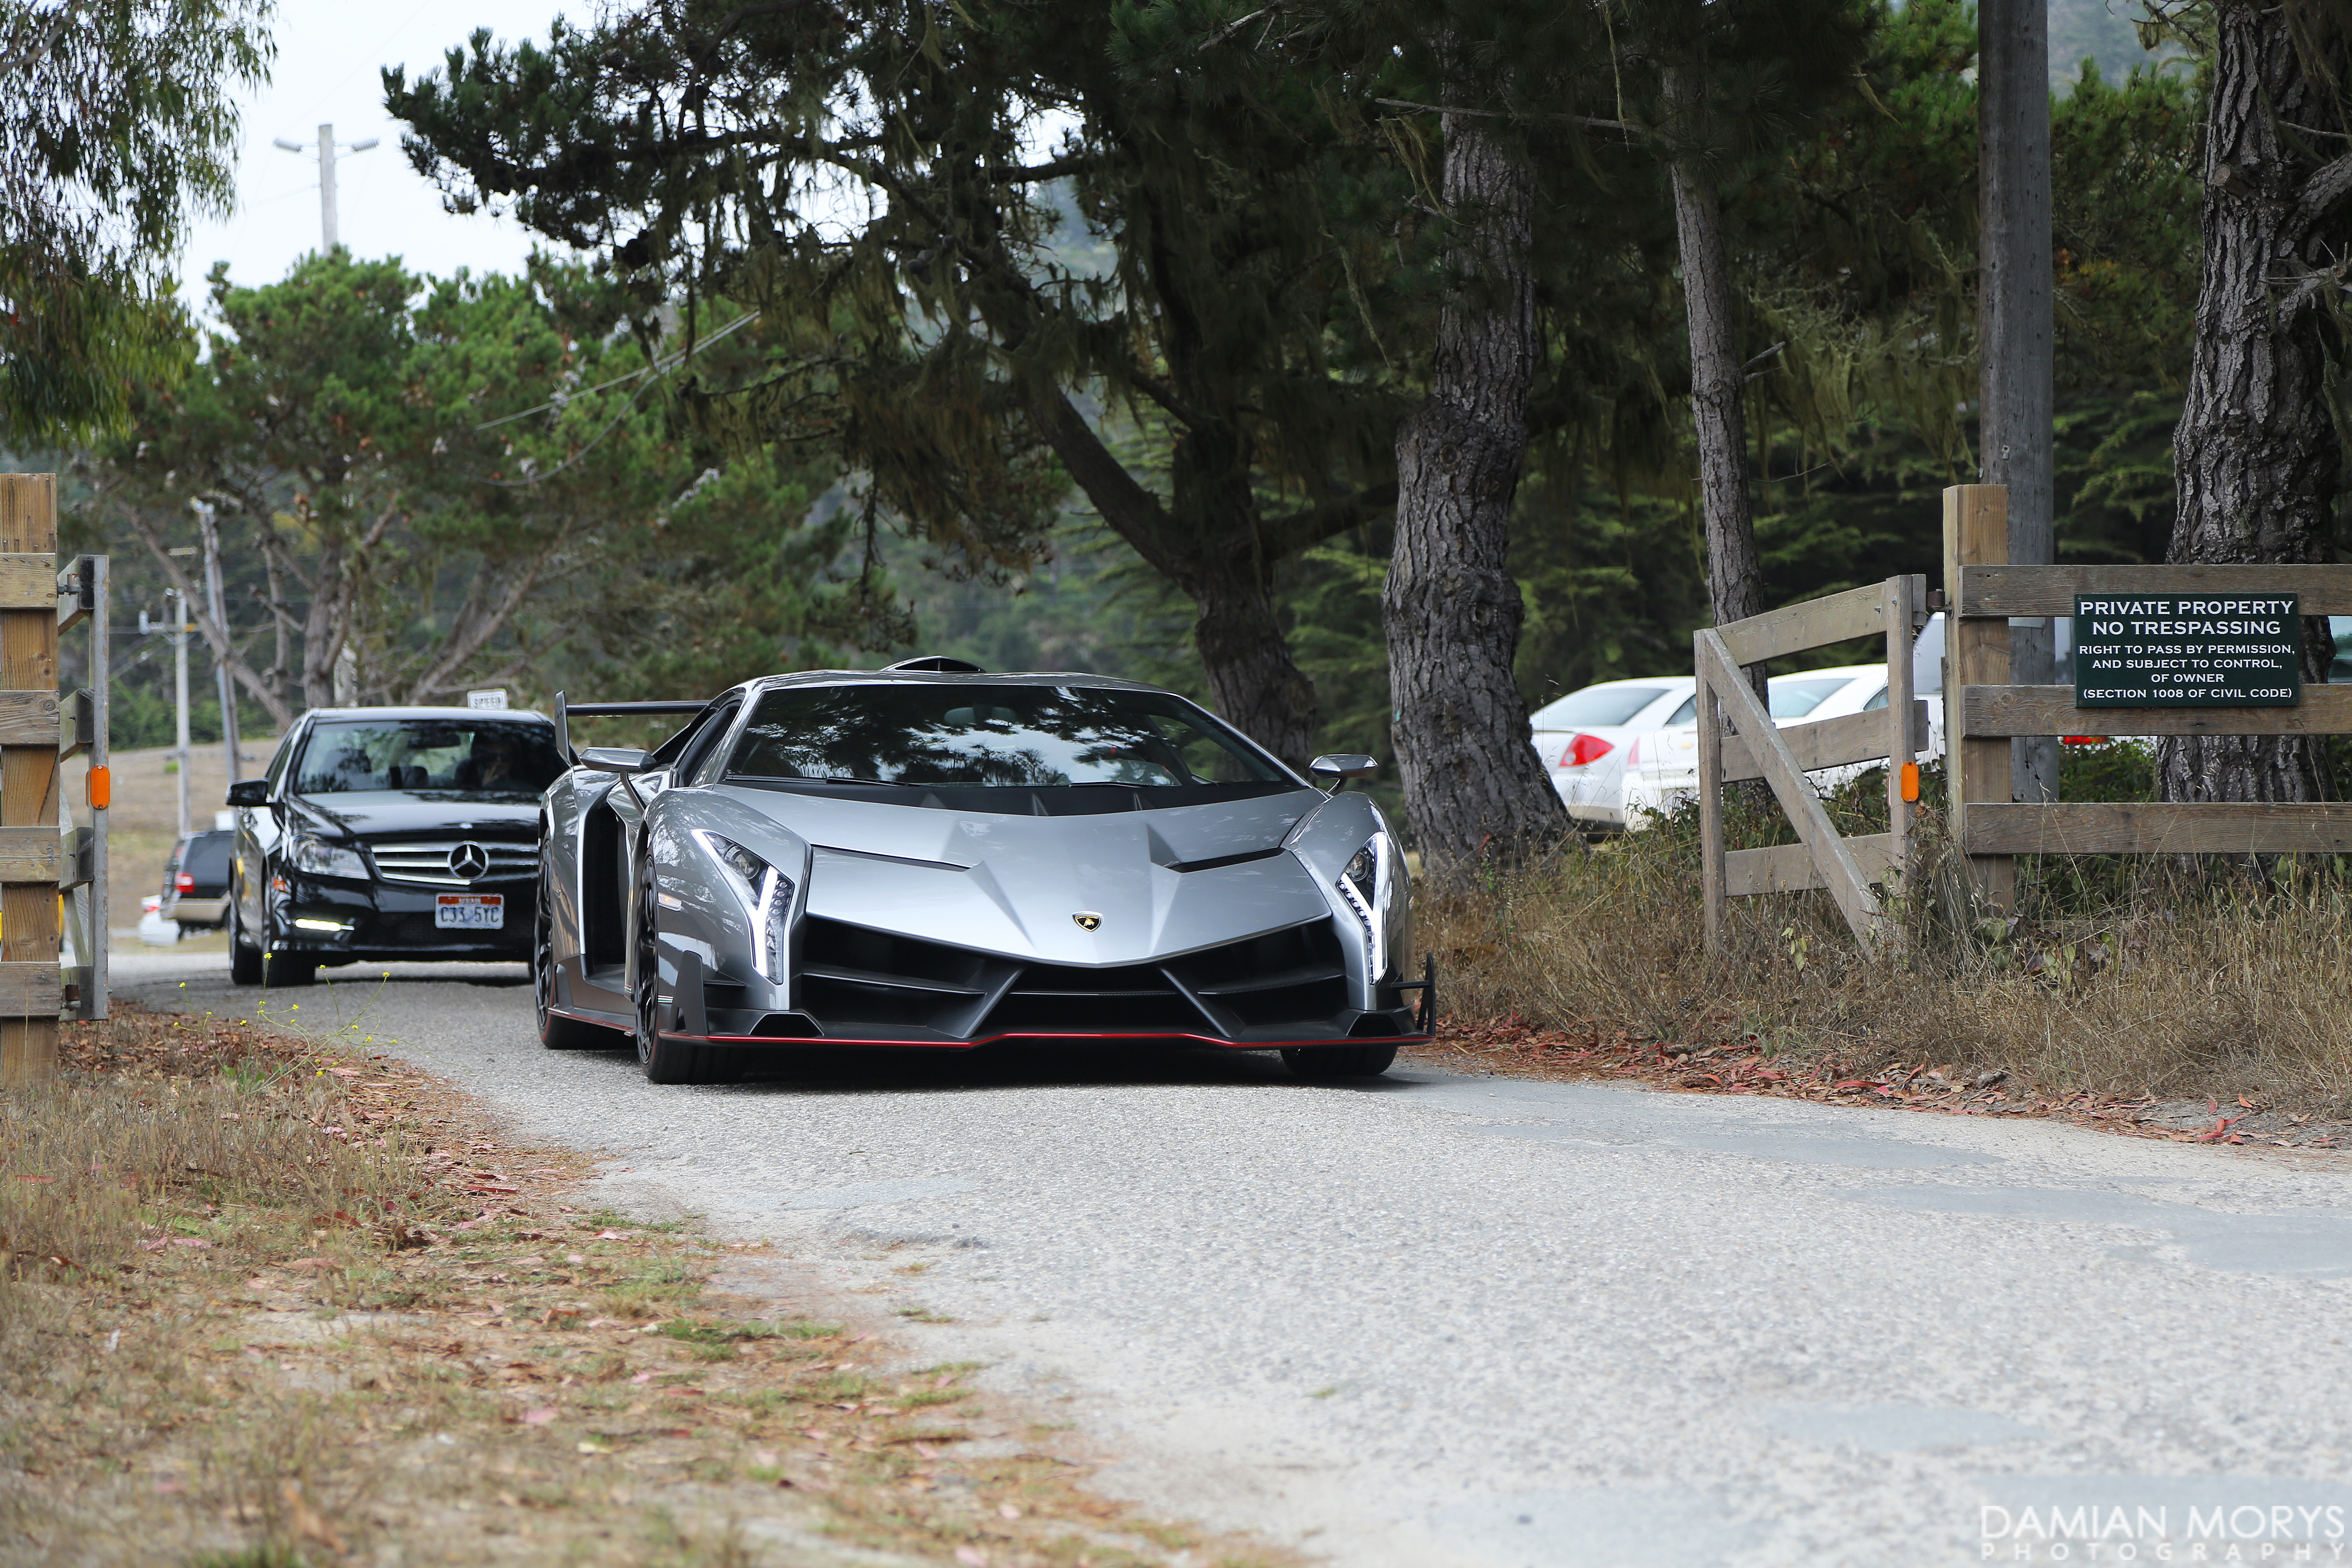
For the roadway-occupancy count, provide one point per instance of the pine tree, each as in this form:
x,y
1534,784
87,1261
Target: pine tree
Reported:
x,y
866,178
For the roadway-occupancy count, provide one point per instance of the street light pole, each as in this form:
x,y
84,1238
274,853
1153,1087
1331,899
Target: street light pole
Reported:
x,y
329,227
2017,398
205,521
179,604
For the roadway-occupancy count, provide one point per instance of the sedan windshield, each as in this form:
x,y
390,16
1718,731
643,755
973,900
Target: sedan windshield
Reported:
x,y
992,736
484,757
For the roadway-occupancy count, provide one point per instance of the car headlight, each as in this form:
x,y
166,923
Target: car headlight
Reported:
x,y
317,857
1364,885
767,893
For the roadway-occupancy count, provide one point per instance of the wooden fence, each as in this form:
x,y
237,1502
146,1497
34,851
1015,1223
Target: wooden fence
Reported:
x,y
31,848
1737,739
1982,712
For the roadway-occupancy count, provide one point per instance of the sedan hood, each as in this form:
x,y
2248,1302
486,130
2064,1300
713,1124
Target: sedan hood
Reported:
x,y
1152,883
375,813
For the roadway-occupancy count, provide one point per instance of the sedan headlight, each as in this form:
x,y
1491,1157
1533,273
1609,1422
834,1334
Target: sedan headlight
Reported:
x,y
767,894
1364,885
317,857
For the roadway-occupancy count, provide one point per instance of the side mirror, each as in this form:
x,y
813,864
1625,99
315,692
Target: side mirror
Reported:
x,y
616,759
249,792
1333,772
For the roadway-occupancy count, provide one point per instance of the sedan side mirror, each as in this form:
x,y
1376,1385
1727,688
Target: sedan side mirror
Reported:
x,y
616,759
1333,772
249,792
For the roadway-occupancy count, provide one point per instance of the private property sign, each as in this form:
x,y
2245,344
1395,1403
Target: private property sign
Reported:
x,y
2189,650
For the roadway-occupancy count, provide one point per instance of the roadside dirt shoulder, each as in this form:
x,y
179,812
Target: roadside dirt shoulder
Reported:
x,y
267,1303
1745,1065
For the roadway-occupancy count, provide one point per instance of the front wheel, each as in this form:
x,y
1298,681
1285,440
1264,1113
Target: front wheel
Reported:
x,y
1319,1062
556,1032
244,959
666,1060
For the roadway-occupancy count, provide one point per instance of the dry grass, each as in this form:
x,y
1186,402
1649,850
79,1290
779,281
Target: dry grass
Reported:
x,y
2126,979
264,1306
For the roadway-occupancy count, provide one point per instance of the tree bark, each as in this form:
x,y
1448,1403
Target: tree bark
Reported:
x,y
1735,575
2255,454
1474,790
1213,548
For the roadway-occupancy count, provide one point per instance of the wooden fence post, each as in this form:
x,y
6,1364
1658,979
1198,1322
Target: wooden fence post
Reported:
x,y
28,774
1711,869
1976,653
1901,751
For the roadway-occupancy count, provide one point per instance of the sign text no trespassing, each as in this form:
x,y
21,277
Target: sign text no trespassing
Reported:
x,y
2186,650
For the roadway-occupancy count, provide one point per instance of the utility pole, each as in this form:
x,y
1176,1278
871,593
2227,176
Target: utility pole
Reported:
x,y
179,607
329,231
205,520
2017,396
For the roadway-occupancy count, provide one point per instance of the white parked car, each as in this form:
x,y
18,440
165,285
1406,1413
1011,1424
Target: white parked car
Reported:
x,y
1584,737
1620,750
1663,769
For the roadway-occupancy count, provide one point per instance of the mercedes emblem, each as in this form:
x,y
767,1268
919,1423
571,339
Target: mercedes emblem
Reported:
x,y
1087,920
469,860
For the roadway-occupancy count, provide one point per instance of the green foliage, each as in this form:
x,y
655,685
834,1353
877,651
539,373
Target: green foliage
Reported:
x,y
118,123
469,481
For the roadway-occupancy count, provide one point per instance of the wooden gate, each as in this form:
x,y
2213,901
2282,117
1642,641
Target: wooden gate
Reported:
x,y
1737,739
1982,710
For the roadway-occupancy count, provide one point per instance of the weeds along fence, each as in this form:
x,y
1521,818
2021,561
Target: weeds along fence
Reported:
x,y
1983,711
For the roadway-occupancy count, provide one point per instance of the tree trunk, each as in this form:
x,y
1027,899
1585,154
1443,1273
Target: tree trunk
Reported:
x,y
2255,455
1211,547
1473,787
1735,577
1254,682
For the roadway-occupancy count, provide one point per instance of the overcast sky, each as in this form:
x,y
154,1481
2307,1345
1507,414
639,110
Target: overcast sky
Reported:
x,y
328,54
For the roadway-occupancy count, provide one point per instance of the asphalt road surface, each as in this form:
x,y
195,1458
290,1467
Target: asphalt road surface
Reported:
x,y
1448,1320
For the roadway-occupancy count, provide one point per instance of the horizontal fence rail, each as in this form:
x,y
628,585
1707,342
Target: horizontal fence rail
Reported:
x,y
2138,827
1998,592
2051,710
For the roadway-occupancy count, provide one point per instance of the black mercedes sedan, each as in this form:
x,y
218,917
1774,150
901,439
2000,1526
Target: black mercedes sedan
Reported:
x,y
389,833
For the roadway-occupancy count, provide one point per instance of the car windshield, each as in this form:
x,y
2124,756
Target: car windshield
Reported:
x,y
486,757
1597,707
990,736
1793,699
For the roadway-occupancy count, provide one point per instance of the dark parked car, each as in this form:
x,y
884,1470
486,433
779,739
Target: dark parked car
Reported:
x,y
390,834
196,881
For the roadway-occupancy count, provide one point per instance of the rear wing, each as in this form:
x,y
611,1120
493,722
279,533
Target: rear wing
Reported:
x,y
563,711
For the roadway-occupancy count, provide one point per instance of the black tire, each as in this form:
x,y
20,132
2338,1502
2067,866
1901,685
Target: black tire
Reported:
x,y
263,964
556,1032
244,961
665,1061
1319,1062
281,969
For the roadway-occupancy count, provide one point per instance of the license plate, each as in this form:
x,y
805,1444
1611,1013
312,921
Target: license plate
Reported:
x,y
470,911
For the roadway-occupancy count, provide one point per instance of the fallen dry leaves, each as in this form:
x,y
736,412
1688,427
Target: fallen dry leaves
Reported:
x,y
455,1358
1741,1063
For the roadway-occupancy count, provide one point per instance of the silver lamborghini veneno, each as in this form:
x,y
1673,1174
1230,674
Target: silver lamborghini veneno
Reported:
x,y
922,858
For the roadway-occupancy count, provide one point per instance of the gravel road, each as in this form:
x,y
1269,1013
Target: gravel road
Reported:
x,y
1451,1320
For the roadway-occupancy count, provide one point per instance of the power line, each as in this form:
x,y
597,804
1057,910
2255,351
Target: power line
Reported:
x,y
662,366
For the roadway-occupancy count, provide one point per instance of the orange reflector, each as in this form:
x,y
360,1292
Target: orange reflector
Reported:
x,y
1911,781
101,788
